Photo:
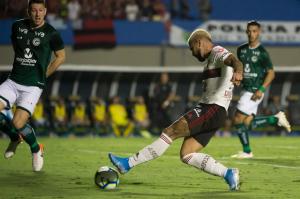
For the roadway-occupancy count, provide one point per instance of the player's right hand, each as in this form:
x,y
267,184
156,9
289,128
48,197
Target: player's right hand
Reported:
x,y
237,77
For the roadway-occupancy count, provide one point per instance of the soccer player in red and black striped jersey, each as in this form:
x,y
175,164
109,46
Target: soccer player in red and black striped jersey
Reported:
x,y
223,70
33,42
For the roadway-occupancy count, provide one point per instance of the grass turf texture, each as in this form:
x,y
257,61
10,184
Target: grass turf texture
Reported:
x,y
70,165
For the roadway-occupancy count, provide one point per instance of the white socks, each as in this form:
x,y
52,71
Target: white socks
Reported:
x,y
152,151
206,163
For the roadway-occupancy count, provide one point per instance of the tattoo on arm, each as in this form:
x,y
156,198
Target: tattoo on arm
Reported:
x,y
232,61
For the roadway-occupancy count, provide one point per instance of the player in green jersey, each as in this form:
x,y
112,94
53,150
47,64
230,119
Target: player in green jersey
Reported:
x,y
33,42
258,75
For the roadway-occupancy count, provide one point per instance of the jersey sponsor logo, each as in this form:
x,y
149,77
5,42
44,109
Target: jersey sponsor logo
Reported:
x,y
23,30
27,53
254,58
27,61
247,68
36,41
39,34
249,75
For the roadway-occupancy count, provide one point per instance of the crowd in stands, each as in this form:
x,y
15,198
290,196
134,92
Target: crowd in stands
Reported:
x,y
132,10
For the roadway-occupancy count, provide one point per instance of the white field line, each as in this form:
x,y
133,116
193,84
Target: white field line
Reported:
x,y
224,159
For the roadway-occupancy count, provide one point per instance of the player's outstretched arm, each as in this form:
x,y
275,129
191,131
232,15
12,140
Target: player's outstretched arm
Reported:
x,y
60,57
237,76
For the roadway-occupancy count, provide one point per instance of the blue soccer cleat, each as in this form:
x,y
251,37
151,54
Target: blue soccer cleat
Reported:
x,y
232,179
122,164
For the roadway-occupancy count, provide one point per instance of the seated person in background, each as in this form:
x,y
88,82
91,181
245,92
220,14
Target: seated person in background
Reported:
x,y
99,116
79,119
39,118
141,117
121,124
60,116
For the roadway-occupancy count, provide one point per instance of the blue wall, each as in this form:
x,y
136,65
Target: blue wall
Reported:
x,y
137,33
256,9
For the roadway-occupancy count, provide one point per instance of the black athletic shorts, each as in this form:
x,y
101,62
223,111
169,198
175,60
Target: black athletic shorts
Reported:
x,y
204,120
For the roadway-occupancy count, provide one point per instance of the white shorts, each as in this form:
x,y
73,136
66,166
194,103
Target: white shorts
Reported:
x,y
246,105
24,97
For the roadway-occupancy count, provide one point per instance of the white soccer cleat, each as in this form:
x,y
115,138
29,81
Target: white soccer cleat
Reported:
x,y
282,121
11,149
243,155
38,159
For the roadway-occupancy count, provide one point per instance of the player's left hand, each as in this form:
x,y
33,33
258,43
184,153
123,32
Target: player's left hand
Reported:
x,y
257,95
237,77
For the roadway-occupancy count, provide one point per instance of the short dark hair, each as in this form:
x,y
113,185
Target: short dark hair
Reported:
x,y
253,23
36,1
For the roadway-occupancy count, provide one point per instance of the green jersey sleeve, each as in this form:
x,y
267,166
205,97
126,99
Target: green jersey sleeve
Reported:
x,y
267,63
56,42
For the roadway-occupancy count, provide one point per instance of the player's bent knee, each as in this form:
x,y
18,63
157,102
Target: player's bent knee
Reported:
x,y
18,124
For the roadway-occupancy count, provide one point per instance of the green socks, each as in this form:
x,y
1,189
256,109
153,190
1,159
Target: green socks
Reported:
x,y
6,128
28,135
242,132
260,121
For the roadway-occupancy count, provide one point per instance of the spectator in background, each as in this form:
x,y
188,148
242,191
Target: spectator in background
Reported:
x,y
99,117
74,9
141,117
118,9
205,9
3,8
102,9
162,99
60,117
132,10
174,9
85,9
79,119
121,124
39,118
63,9
184,9
146,10
160,12
16,8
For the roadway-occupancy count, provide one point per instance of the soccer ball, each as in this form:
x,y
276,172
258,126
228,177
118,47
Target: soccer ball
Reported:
x,y
106,178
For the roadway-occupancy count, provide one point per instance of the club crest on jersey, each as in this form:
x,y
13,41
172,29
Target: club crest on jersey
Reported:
x,y
254,58
36,41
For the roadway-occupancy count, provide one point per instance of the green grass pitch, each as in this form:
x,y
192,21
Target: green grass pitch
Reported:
x,y
70,165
